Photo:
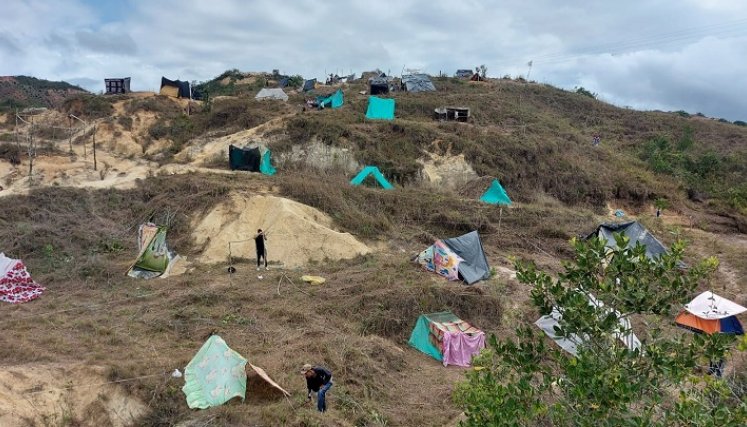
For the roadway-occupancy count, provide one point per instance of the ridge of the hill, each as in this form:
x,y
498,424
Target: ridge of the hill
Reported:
x,y
25,91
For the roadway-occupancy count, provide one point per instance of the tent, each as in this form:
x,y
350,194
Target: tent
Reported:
x,y
417,83
463,254
464,73
636,232
309,85
376,173
709,313
215,375
380,108
174,88
447,338
496,195
549,322
272,93
114,86
334,101
16,284
154,257
378,85
253,158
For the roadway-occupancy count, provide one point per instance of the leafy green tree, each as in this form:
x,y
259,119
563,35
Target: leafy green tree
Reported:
x,y
529,381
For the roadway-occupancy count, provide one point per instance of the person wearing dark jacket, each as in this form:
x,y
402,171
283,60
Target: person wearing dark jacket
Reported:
x,y
318,380
259,240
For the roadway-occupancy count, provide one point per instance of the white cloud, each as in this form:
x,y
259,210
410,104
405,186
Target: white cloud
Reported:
x,y
638,53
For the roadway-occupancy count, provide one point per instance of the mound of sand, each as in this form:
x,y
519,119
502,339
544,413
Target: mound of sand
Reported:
x,y
296,233
447,171
42,395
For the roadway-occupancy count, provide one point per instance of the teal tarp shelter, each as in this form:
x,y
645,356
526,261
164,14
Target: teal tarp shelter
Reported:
x,y
215,375
496,195
428,335
380,108
335,100
371,170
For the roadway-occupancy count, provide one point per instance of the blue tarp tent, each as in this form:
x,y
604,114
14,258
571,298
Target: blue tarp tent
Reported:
x,y
496,195
380,108
371,170
335,100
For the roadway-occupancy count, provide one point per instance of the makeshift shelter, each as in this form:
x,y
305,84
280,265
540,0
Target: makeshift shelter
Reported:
x,y
380,108
253,158
447,338
332,101
154,257
271,93
417,83
636,232
376,173
464,73
257,382
378,85
476,77
114,86
496,195
709,313
308,85
457,258
549,322
460,114
215,375
16,284
175,88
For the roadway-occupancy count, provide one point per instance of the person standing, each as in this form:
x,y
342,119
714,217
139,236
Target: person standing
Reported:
x,y
318,380
259,241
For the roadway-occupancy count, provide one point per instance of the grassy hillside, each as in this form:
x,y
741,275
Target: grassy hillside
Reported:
x,y
24,91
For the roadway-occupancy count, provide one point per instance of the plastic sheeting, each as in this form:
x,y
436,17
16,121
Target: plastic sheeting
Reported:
x,y
272,93
474,265
711,306
371,170
334,101
417,83
429,336
439,259
215,375
380,108
636,232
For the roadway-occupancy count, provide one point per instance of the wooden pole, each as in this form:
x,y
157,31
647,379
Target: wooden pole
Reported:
x,y
94,146
31,149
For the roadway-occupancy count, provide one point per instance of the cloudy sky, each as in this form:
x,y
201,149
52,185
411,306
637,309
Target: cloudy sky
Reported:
x,y
646,54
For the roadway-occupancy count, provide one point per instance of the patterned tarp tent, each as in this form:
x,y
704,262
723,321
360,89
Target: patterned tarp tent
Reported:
x,y
709,313
154,257
215,375
496,195
447,338
464,254
16,284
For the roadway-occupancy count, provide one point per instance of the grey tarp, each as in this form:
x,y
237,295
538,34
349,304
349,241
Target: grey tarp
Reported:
x,y
636,232
570,343
309,85
417,83
474,266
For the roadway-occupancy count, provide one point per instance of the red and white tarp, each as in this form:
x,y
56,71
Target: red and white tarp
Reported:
x,y
16,284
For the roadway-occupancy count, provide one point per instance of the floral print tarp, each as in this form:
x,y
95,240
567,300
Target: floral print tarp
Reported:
x,y
16,284
215,375
440,259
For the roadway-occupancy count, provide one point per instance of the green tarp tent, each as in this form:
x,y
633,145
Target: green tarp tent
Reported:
x,y
334,101
496,195
253,157
380,108
154,256
371,170
215,375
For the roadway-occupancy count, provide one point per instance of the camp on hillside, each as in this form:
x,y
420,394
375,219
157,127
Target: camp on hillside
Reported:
x,y
457,258
496,195
548,323
16,284
447,338
380,108
175,88
116,86
374,172
637,234
154,258
252,158
271,93
417,83
459,114
710,314
331,101
308,85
